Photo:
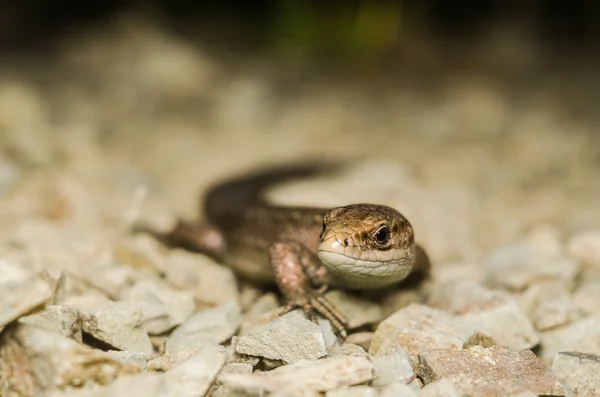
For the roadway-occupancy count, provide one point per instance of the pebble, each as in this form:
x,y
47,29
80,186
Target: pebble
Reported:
x,y
419,327
549,305
581,372
492,312
55,363
288,338
582,336
519,265
120,325
479,371
399,389
354,391
163,308
358,311
168,360
141,251
61,318
587,297
20,296
363,339
440,388
303,376
208,327
393,367
212,283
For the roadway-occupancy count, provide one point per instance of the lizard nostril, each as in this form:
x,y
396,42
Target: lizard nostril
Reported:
x,y
347,242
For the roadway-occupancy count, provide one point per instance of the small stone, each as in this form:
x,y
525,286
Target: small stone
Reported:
x,y
120,325
418,327
237,368
209,327
21,296
348,349
61,318
585,247
581,336
399,389
168,361
212,283
195,375
331,340
34,360
354,391
288,338
358,311
517,266
440,388
140,251
578,370
139,359
321,375
479,371
163,308
549,305
492,312
393,367
362,339
587,297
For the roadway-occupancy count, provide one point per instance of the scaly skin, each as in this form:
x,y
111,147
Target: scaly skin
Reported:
x,y
304,250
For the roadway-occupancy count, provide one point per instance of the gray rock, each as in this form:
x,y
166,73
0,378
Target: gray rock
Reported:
x,y
213,284
139,359
53,363
209,327
419,327
303,376
516,266
288,338
578,370
195,375
163,308
549,305
492,312
393,367
587,297
363,339
61,318
19,296
440,388
582,336
120,325
358,311
479,371
168,360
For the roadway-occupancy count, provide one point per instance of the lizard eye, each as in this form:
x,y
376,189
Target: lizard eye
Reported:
x,y
322,229
382,236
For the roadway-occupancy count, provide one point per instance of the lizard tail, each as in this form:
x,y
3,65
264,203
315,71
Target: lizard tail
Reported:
x,y
237,194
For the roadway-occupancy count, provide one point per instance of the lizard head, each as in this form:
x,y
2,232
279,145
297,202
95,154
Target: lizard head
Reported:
x,y
366,245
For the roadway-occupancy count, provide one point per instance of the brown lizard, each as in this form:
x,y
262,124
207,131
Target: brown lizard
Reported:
x,y
304,250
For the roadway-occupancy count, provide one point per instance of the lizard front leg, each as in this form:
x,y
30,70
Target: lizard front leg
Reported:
x,y
303,280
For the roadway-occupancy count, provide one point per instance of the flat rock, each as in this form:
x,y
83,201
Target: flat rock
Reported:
x,y
35,360
213,284
288,338
303,376
578,370
393,367
120,325
549,305
539,258
581,336
208,327
495,371
163,308
492,312
358,311
60,318
168,360
354,391
587,297
21,295
418,327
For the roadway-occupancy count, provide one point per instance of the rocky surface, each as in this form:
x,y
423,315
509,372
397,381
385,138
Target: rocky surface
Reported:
x,y
500,185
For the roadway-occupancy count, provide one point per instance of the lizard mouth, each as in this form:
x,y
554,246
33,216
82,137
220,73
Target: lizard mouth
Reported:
x,y
357,268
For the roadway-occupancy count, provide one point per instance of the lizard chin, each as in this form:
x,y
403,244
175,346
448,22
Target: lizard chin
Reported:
x,y
359,273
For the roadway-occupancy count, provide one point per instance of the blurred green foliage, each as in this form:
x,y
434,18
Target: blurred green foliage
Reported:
x,y
355,31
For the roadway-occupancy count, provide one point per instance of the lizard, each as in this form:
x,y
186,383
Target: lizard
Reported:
x,y
305,251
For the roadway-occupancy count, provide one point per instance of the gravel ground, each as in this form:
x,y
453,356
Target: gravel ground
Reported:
x,y
130,123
